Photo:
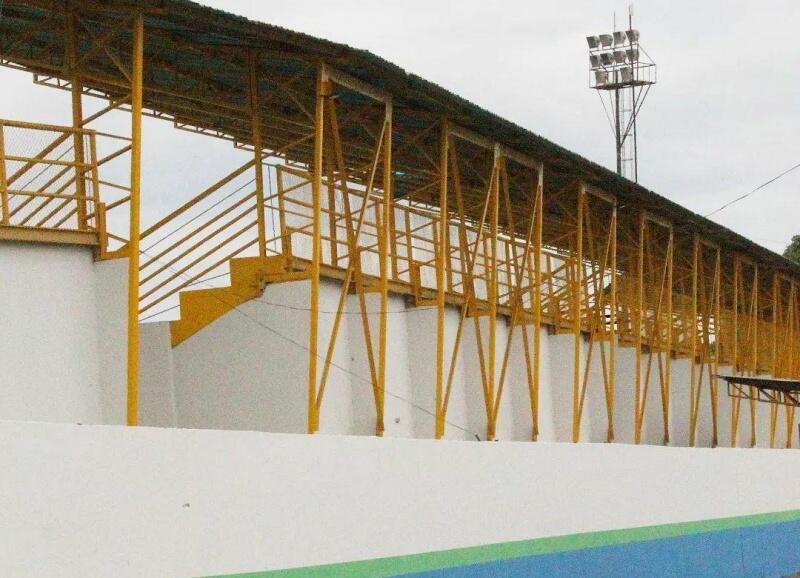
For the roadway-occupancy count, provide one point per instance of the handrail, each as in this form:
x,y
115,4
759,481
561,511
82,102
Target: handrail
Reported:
x,y
195,200
167,264
54,188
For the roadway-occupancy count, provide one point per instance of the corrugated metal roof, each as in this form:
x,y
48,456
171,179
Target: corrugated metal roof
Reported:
x,y
178,25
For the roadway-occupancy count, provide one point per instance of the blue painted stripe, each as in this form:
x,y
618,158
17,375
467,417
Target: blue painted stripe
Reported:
x,y
771,550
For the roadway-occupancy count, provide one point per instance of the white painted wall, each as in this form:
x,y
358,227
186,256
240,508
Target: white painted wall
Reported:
x,y
399,409
157,405
50,369
249,368
422,353
62,332
220,382
141,502
111,302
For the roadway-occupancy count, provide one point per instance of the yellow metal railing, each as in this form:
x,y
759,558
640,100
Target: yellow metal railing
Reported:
x,y
193,244
46,185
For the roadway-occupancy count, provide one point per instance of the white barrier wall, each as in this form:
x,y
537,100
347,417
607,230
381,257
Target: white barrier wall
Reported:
x,y
111,293
59,331
248,370
142,502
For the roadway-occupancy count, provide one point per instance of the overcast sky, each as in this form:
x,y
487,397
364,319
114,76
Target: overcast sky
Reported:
x,y
724,117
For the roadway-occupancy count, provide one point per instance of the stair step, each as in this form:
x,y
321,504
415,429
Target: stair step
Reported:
x,y
247,270
201,307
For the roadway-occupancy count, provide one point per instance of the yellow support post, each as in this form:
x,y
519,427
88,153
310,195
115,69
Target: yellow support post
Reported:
x,y
255,122
383,249
693,342
133,243
537,298
754,321
4,211
612,344
714,362
639,403
491,281
77,115
790,337
735,362
773,408
577,291
323,90
668,357
441,249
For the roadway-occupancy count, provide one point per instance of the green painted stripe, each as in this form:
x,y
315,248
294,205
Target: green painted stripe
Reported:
x,y
507,550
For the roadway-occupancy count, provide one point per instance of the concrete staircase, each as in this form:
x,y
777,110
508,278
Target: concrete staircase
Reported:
x,y
249,277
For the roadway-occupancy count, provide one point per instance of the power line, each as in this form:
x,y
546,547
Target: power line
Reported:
x,y
758,188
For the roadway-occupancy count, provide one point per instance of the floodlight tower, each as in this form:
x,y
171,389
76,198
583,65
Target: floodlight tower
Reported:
x,y
622,69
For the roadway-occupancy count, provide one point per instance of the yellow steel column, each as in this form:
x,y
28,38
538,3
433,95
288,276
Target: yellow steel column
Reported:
x,y
577,290
4,211
790,361
537,297
323,90
693,341
383,242
773,408
639,403
77,115
255,122
714,368
133,244
612,344
735,365
754,353
670,321
441,249
492,291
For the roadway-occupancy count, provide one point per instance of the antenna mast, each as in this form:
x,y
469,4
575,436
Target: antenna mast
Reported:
x,y
622,73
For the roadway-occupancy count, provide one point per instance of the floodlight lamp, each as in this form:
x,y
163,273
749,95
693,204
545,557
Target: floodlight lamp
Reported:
x,y
626,73
595,60
632,54
600,77
606,58
619,38
633,35
606,40
593,42
619,56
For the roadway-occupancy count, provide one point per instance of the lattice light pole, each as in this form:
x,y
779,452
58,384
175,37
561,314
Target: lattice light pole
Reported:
x,y
622,70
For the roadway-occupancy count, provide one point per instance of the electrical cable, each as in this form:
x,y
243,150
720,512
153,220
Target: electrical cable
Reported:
x,y
758,188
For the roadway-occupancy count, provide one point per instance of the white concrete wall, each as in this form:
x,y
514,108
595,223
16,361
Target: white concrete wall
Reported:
x,y
247,370
157,405
399,410
62,331
422,353
111,299
141,502
49,363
